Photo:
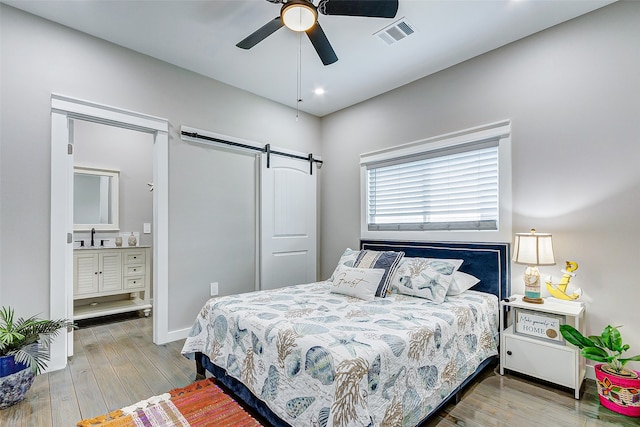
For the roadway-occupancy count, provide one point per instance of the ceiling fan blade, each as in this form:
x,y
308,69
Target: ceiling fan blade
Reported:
x,y
321,43
369,8
261,33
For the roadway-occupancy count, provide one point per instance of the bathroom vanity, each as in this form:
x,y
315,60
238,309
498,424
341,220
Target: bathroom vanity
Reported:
x,y
111,281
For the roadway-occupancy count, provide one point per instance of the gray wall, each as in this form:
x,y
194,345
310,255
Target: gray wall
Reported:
x,y
572,94
211,192
130,152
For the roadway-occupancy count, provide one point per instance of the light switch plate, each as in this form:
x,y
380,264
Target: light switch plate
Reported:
x,y
146,227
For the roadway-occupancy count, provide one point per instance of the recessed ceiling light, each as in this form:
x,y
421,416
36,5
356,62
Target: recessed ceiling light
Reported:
x,y
319,91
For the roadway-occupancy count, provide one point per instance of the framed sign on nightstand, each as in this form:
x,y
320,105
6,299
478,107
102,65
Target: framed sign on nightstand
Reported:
x,y
534,324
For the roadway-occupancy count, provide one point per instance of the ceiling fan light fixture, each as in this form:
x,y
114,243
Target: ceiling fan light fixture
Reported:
x,y
299,15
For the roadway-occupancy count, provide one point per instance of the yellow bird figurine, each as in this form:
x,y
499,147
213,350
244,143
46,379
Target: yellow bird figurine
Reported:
x,y
560,291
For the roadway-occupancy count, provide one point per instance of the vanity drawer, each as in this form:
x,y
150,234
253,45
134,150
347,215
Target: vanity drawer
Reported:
x,y
134,270
137,282
134,257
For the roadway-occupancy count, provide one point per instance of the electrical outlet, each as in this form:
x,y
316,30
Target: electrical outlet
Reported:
x,y
214,289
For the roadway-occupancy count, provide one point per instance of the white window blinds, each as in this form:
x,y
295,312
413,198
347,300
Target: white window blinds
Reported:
x,y
453,188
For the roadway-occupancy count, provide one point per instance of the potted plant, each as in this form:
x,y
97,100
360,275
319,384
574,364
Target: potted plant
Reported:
x,y
618,388
21,356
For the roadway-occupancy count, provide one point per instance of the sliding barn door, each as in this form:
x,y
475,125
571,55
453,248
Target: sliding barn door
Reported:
x,y
287,222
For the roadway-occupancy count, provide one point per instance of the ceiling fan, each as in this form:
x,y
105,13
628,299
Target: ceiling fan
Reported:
x,y
302,15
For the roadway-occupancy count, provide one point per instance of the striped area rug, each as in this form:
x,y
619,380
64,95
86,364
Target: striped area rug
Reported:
x,y
202,403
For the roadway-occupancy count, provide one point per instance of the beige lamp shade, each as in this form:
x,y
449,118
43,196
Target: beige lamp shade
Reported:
x,y
533,249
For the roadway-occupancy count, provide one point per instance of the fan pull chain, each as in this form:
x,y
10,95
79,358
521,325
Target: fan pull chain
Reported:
x,y
299,77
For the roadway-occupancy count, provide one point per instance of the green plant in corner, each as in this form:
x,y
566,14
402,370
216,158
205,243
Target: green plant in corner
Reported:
x,y
26,339
606,348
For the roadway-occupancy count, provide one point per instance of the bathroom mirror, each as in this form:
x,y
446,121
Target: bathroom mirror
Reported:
x,y
95,199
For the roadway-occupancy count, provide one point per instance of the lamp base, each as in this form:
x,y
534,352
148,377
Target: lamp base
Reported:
x,y
533,300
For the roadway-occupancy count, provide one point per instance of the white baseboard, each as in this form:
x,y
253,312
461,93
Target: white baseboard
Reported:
x,y
180,334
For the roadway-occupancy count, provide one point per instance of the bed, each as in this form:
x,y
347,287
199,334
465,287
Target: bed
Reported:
x,y
307,356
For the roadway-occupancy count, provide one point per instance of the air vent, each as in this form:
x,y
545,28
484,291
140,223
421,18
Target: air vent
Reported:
x,y
396,31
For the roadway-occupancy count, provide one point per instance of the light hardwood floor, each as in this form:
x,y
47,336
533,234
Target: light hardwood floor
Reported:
x,y
116,364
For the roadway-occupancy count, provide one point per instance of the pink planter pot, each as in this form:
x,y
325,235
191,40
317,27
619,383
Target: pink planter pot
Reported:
x,y
621,395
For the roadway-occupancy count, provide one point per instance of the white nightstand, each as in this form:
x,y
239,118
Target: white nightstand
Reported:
x,y
536,348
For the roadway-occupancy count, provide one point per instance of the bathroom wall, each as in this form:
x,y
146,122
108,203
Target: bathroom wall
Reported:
x,y
130,152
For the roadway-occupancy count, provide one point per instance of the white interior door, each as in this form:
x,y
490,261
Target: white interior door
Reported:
x,y
287,222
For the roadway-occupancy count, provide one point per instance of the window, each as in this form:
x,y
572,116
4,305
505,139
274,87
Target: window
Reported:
x,y
449,183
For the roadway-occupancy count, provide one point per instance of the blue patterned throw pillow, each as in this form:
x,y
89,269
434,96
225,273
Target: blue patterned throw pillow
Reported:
x,y
388,260
347,259
428,278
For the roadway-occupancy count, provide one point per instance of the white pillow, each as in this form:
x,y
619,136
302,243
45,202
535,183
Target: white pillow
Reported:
x,y
461,282
357,282
348,258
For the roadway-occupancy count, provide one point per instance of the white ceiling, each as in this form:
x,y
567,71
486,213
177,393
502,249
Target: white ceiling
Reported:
x,y
201,36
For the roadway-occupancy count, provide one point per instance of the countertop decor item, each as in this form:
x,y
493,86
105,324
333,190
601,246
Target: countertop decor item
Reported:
x,y
560,290
118,241
618,387
23,352
132,240
533,249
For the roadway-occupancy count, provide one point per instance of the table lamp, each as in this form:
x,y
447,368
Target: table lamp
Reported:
x,y
533,249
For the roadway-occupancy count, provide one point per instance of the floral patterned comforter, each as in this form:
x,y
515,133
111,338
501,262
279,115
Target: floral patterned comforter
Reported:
x,y
323,359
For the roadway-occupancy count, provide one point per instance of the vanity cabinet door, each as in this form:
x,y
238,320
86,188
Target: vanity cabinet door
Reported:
x,y
85,275
110,271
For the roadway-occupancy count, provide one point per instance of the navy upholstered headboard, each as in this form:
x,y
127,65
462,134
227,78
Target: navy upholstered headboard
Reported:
x,y
489,262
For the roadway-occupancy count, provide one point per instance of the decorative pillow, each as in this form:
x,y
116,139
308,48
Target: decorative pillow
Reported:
x,y
374,259
357,282
348,258
428,278
461,282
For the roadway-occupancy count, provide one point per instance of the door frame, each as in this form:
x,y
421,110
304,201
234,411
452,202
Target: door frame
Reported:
x,y
64,110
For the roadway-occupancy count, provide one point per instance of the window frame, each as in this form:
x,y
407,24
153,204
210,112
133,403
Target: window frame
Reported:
x,y
499,130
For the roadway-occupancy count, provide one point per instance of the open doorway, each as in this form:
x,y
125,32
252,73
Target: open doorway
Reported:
x,y
65,112
112,217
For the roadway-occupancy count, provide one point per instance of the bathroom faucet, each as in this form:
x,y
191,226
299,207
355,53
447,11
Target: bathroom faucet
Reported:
x,y
93,233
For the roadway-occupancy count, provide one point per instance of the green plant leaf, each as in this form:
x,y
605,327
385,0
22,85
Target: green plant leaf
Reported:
x,y
616,339
606,337
573,336
600,356
597,340
630,359
20,337
596,351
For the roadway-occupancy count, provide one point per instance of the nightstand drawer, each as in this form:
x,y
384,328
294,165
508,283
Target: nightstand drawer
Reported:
x,y
546,361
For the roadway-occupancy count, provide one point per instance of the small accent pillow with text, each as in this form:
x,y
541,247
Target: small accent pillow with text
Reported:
x,y
357,282
348,258
388,260
428,278
461,282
